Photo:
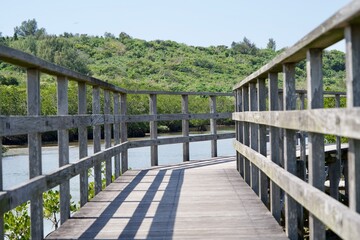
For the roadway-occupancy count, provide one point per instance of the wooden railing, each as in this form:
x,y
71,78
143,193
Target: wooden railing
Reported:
x,y
280,170
114,115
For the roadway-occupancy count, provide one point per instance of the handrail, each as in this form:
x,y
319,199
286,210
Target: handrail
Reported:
x,y
114,119
285,119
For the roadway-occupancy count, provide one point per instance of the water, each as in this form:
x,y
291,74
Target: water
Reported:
x,y
15,167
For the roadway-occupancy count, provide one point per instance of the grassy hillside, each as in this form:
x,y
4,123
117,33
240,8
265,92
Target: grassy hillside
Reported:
x,y
137,64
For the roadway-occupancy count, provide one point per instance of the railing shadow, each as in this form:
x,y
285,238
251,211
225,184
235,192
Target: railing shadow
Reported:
x,y
141,222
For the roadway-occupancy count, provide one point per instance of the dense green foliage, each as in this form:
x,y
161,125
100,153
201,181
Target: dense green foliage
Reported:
x,y
137,64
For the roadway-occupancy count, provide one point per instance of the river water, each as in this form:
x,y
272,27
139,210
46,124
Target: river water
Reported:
x,y
16,163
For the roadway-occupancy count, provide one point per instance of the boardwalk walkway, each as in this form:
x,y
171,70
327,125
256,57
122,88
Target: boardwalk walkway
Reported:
x,y
194,200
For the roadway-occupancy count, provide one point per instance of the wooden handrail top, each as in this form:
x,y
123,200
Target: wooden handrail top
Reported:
x,y
180,93
328,33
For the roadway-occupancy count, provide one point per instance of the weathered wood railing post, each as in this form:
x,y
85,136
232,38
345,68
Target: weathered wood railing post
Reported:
x,y
275,145
352,39
97,138
246,132
335,165
290,149
315,140
264,180
185,126
239,132
34,142
213,126
1,188
116,129
123,133
301,169
153,130
254,137
83,144
107,133
63,141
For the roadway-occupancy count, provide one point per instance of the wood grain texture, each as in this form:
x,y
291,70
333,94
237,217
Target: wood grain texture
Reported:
x,y
316,156
352,39
175,202
83,144
185,126
153,130
35,162
341,122
338,217
63,142
213,126
97,138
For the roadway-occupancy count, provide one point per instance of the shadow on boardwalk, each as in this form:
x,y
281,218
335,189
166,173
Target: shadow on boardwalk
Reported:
x,y
198,199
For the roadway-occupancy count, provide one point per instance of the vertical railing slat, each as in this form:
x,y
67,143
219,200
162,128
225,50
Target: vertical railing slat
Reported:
x,y
83,144
335,167
153,130
274,145
254,137
352,39
185,126
34,142
239,132
63,140
116,128
97,138
264,180
213,126
245,101
290,149
123,132
107,133
316,154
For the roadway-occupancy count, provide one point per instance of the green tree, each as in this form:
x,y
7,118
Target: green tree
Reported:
x,y
271,44
29,28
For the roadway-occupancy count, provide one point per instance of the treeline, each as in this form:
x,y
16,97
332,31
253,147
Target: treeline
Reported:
x,y
148,65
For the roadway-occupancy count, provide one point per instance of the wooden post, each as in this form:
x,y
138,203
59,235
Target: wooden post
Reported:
x,y
335,167
185,127
2,231
315,141
301,169
352,39
239,133
117,133
35,163
153,131
123,133
97,138
254,137
107,130
290,149
264,180
63,140
83,144
213,126
275,200
245,100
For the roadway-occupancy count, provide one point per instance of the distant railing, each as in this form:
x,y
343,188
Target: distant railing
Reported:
x,y
280,170
114,119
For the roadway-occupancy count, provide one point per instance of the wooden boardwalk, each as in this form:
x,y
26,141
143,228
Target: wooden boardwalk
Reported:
x,y
195,200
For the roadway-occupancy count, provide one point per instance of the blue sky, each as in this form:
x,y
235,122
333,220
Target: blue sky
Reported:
x,y
194,22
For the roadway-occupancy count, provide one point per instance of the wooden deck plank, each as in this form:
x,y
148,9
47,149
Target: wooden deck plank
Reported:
x,y
194,200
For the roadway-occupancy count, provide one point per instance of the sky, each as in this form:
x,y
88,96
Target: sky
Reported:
x,y
193,22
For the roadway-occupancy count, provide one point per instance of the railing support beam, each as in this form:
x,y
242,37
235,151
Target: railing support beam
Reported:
x,y
352,39
35,162
185,126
